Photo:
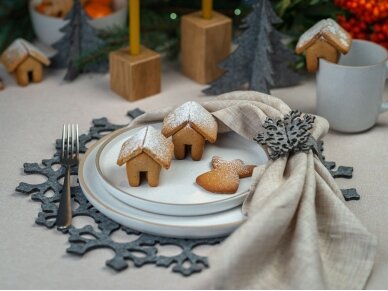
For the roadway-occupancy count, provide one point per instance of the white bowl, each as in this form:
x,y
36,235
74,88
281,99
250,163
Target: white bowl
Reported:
x,y
47,28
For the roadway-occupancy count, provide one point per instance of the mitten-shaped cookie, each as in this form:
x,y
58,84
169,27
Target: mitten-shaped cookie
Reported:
x,y
225,176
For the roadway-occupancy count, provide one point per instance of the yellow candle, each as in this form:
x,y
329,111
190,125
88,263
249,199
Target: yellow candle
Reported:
x,y
134,27
207,7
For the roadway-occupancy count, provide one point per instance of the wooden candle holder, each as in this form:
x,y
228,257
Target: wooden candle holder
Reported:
x,y
135,77
204,44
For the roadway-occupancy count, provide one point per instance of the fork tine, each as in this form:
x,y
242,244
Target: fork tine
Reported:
x,y
72,141
69,158
77,141
68,152
63,142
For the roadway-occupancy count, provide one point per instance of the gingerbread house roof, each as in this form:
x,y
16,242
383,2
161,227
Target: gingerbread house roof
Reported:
x,y
329,30
18,51
196,116
151,142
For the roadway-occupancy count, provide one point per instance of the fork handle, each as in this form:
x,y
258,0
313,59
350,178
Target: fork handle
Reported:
x,y
64,215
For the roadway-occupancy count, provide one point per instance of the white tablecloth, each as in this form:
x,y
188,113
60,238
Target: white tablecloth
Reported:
x,y
31,119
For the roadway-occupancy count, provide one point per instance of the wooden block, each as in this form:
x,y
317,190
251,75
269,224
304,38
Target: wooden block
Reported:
x,y
204,44
135,77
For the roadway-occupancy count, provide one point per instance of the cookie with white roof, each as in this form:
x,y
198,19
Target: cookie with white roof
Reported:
x,y
327,40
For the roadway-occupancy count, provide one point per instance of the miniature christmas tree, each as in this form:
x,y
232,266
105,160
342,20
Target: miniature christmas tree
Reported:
x,y
261,59
282,57
79,38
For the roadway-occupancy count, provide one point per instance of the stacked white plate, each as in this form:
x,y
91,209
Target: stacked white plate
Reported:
x,y
178,207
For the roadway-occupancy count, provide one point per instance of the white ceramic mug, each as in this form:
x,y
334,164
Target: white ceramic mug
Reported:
x,y
350,93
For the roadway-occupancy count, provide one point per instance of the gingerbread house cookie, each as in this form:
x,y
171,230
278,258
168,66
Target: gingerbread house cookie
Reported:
x,y
146,152
190,125
25,61
326,39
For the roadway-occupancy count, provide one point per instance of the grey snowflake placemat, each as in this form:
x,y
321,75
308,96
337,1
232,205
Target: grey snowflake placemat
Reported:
x,y
88,238
186,262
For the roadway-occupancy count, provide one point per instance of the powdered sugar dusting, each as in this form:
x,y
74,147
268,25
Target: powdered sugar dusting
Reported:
x,y
176,119
198,117
18,51
322,28
150,141
219,181
203,122
132,146
158,146
13,55
338,32
236,166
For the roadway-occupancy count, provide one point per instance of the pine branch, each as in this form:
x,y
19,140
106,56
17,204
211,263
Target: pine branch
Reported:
x,y
100,54
15,22
117,37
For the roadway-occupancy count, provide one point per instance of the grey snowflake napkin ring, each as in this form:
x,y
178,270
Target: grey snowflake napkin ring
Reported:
x,y
291,135
288,135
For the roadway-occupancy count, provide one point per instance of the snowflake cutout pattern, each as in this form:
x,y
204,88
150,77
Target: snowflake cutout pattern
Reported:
x,y
291,135
288,135
88,238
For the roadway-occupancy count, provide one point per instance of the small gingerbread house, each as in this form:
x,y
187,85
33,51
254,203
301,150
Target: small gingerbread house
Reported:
x,y
326,39
190,125
25,61
146,152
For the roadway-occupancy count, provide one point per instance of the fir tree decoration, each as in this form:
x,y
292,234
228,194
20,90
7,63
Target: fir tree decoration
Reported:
x,y
261,59
79,37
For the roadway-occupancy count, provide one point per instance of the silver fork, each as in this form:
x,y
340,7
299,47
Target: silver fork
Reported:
x,y
69,158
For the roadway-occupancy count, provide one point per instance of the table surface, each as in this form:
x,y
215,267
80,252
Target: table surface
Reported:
x,y
31,119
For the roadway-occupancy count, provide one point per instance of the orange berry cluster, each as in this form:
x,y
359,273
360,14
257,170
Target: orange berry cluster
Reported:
x,y
368,19
98,8
60,8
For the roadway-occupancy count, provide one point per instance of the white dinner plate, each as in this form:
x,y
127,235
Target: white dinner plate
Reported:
x,y
177,192
213,225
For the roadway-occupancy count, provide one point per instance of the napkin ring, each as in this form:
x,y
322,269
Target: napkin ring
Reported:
x,y
290,134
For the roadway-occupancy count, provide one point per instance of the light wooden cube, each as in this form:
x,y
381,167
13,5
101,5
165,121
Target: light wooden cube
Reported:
x,y
204,44
135,77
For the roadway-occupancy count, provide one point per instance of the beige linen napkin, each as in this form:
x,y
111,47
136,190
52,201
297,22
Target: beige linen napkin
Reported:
x,y
299,234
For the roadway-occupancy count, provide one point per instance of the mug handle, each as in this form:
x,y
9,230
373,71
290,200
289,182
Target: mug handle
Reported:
x,y
384,105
